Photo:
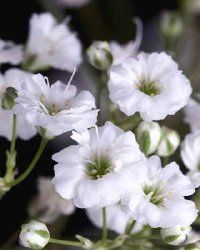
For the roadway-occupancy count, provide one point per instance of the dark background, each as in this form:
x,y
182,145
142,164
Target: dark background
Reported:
x,y
100,20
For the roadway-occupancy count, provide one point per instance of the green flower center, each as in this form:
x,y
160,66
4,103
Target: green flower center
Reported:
x,y
150,88
98,167
155,194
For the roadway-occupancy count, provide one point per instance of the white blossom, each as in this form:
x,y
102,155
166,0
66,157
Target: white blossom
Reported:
x,y
116,219
14,78
93,173
34,235
150,84
157,197
190,154
148,135
48,204
175,235
73,3
170,140
51,44
192,115
56,108
10,52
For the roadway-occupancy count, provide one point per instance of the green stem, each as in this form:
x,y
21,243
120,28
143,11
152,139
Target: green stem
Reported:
x,y
32,164
129,227
65,242
104,229
14,127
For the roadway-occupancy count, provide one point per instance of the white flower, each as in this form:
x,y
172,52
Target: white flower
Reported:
x,y
34,235
99,55
51,44
170,141
56,108
48,204
150,84
192,115
157,197
148,136
190,154
73,3
10,53
175,235
93,173
14,78
116,219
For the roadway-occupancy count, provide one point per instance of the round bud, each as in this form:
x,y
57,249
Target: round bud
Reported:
x,y
34,235
8,98
171,24
170,140
148,135
99,55
175,235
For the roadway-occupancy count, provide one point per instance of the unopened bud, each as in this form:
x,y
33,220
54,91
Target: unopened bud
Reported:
x,y
171,24
99,55
8,98
175,235
170,141
148,136
34,235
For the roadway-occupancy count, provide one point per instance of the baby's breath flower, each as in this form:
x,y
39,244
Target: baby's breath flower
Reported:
x,y
56,108
150,84
93,173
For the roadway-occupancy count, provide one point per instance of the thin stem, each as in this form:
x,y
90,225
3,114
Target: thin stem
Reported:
x,y
65,242
104,229
32,164
129,227
14,127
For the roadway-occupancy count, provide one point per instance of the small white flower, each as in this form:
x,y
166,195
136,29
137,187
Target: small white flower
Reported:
x,y
116,219
14,78
73,3
56,108
93,173
34,235
148,136
51,44
190,154
157,197
150,84
10,53
175,235
192,115
170,141
48,204
99,55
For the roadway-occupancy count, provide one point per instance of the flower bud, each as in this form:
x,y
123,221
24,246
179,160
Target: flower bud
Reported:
x,y
8,98
170,140
99,55
175,235
148,136
34,235
171,24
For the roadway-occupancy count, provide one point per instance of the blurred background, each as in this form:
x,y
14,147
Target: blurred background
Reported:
x,y
97,20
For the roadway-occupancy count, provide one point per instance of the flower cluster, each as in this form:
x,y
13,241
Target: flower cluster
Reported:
x,y
124,177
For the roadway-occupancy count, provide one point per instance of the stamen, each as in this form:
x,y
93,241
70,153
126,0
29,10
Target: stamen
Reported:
x,y
139,32
71,78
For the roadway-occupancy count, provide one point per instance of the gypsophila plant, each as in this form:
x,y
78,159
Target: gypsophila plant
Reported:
x,y
121,165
